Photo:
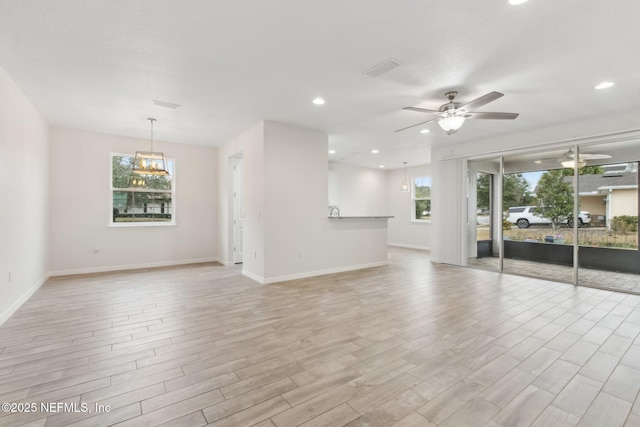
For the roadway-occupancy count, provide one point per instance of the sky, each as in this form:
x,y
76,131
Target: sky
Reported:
x,y
532,178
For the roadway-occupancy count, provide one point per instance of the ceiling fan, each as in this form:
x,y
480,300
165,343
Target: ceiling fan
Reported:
x,y
567,159
452,115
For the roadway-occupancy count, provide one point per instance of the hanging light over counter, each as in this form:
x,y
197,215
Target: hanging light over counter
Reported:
x,y
405,185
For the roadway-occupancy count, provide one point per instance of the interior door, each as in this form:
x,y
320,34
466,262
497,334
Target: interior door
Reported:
x,y
238,211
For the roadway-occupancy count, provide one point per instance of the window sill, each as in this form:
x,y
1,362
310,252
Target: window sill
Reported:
x,y
141,224
421,221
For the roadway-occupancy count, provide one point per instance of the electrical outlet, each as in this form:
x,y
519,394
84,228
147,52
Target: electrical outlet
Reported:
x,y
96,250
301,253
9,278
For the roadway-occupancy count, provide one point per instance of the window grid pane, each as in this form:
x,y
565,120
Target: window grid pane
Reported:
x,y
421,196
140,198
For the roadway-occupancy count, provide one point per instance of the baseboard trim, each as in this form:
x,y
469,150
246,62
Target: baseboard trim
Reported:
x,y
23,298
132,266
253,277
308,274
401,245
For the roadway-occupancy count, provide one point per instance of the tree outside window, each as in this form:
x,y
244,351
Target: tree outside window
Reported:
x,y
421,197
554,197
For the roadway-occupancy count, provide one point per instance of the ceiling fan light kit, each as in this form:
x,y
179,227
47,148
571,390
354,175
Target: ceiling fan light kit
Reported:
x,y
567,160
452,115
451,124
571,164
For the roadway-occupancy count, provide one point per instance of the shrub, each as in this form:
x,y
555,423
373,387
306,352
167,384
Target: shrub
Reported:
x,y
624,224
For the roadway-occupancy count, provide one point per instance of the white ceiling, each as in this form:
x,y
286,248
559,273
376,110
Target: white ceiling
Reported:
x,y
97,65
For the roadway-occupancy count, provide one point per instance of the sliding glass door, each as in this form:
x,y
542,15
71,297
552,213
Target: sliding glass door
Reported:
x,y
484,219
608,189
537,203
568,214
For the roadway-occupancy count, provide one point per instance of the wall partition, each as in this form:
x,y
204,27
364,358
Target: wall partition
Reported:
x,y
567,214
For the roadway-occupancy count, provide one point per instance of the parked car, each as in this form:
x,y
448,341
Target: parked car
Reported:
x,y
524,216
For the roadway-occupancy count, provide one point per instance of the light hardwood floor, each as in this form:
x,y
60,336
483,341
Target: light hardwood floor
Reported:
x,y
408,344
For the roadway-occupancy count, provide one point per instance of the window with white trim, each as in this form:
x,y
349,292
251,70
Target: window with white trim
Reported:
x,y
421,198
140,199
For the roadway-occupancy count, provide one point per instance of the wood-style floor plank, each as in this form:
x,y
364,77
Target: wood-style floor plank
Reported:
x,y
408,344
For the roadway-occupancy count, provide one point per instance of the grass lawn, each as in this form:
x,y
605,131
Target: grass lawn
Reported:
x,y
599,237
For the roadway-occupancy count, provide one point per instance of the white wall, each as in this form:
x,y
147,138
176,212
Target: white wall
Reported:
x,y
80,197
250,145
299,238
296,194
287,233
362,191
402,230
450,200
24,194
624,202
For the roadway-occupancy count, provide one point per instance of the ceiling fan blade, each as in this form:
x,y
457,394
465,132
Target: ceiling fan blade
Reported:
x,y
417,124
479,102
594,156
570,155
495,116
421,110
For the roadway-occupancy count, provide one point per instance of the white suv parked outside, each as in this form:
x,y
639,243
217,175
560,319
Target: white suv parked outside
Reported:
x,y
524,216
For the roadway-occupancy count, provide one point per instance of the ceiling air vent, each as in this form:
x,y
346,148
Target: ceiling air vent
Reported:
x,y
165,104
382,68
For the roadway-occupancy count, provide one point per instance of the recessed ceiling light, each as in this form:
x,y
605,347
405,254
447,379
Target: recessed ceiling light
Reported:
x,y
517,2
374,151
381,166
424,130
318,101
604,85
332,151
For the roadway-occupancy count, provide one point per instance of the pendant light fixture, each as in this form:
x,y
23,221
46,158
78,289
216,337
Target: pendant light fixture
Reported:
x,y
150,162
138,182
405,185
